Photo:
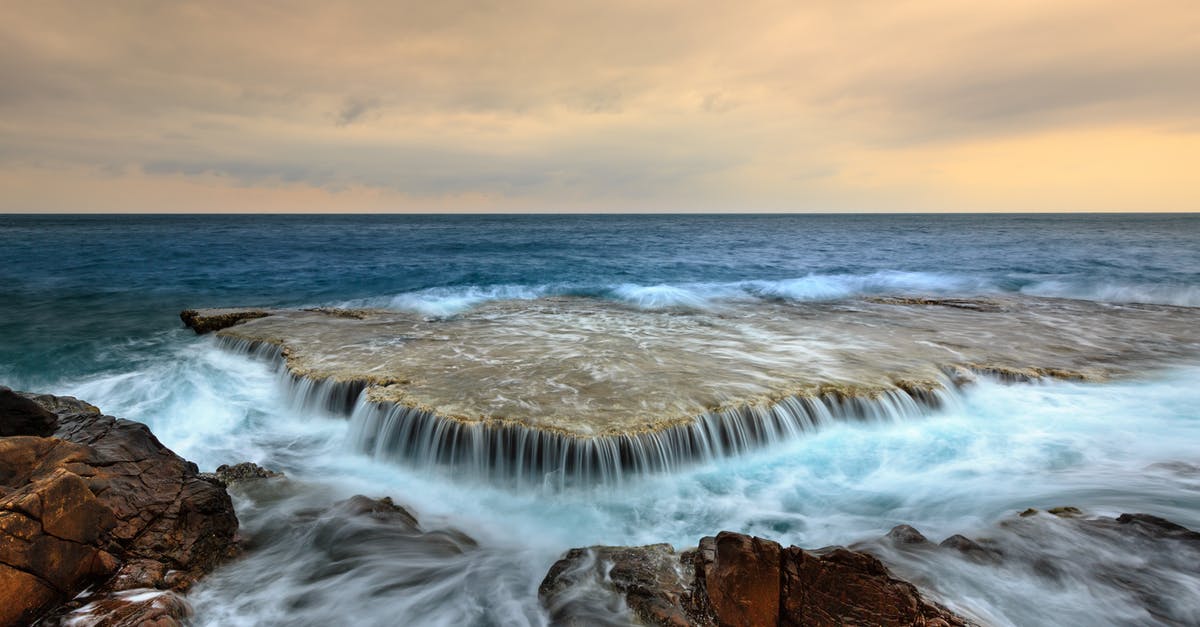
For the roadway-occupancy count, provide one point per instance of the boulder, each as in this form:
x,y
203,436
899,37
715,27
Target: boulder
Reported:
x,y
741,575
21,416
245,471
657,585
138,607
844,587
97,503
735,580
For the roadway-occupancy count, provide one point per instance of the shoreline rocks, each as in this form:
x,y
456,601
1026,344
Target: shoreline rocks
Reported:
x,y
736,579
99,503
228,475
208,320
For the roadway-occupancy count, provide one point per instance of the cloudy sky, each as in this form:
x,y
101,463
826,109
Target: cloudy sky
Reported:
x,y
839,105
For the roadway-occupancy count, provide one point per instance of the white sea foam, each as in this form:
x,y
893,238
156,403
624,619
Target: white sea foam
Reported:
x,y
1179,295
1106,448
695,296
449,301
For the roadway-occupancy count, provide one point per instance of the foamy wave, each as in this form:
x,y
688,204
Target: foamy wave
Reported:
x,y
814,287
441,302
835,286
449,301
1179,295
694,296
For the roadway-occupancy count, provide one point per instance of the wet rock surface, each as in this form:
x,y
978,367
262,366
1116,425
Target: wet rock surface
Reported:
x,y
97,503
735,579
140,607
520,362
332,561
208,320
658,586
227,474
1129,561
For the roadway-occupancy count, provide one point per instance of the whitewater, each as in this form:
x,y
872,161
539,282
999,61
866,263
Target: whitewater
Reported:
x,y
90,310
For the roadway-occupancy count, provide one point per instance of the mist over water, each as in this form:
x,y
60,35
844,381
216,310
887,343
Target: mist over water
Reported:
x,y
90,308
1108,448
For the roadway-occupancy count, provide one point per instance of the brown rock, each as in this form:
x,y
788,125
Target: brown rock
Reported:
x,y
844,587
134,608
52,530
100,504
23,597
245,471
741,575
655,581
208,320
907,535
736,580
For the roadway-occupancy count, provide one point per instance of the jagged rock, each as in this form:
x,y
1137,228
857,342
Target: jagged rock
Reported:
x,y
735,579
52,532
741,575
245,471
100,503
844,587
655,581
133,608
21,416
208,320
966,546
907,535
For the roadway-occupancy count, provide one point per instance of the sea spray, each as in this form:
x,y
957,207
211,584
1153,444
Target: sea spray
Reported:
x,y
1108,448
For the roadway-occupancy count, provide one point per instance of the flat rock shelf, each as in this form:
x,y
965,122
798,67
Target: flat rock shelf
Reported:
x,y
583,386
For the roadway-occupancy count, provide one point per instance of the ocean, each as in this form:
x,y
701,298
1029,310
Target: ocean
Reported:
x,y
89,307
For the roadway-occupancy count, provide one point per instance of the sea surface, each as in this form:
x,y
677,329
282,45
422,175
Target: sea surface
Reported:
x,y
89,307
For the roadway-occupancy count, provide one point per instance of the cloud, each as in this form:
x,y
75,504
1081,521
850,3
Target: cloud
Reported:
x,y
354,109
585,105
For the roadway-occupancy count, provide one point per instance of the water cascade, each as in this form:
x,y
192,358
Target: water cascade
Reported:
x,y
510,451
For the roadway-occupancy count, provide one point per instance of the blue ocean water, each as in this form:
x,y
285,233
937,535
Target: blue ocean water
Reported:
x,y
70,286
89,307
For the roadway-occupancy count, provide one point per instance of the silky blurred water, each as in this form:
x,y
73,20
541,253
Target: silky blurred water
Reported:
x,y
89,305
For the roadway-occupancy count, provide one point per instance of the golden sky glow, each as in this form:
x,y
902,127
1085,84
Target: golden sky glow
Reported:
x,y
937,105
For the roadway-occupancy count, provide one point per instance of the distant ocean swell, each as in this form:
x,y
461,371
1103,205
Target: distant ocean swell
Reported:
x,y
450,300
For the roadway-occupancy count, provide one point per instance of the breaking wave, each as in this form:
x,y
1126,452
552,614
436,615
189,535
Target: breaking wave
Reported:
x,y
447,301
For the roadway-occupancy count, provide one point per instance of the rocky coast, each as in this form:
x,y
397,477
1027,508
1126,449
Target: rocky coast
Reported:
x,y
99,522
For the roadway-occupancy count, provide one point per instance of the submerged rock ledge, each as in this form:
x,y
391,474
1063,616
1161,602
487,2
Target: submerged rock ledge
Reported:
x,y
88,501
593,387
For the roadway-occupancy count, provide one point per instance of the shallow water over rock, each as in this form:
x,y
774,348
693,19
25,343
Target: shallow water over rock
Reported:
x,y
590,367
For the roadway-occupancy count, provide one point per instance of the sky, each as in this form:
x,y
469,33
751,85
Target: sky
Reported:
x,y
611,106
